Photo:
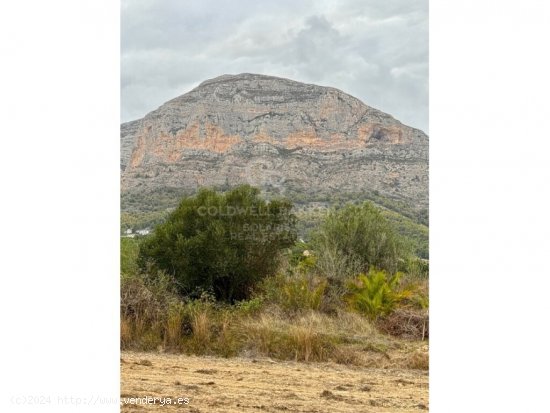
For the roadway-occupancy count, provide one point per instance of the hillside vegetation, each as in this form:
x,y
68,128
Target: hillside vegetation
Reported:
x,y
146,210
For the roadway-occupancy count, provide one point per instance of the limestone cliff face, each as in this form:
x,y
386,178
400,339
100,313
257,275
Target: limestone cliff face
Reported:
x,y
127,137
277,134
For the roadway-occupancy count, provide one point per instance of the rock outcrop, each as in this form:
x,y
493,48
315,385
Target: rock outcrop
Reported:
x,y
281,135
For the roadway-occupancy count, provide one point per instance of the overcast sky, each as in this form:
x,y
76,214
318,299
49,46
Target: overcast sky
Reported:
x,y
375,50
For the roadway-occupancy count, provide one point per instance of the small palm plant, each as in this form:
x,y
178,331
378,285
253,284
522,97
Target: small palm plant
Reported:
x,y
376,294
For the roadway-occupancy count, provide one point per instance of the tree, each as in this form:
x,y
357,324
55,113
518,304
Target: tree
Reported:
x,y
355,238
222,242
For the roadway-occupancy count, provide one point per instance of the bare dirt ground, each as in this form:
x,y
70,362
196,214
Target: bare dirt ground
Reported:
x,y
252,385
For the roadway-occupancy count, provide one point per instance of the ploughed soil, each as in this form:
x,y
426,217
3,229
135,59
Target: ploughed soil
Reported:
x,y
263,385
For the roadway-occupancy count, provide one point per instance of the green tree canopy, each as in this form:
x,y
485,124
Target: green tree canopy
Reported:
x,y
221,242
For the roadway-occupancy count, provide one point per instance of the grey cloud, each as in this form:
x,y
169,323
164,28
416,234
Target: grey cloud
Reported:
x,y
376,51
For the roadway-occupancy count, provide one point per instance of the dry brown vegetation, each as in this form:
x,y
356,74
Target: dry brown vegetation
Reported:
x,y
202,328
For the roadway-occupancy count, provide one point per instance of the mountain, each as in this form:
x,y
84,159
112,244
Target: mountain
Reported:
x,y
307,142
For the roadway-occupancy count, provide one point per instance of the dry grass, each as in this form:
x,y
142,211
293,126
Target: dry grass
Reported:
x,y
312,336
419,360
174,323
201,326
306,343
154,319
406,323
298,339
126,335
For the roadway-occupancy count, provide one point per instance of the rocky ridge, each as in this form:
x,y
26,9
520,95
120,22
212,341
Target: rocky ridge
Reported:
x,y
284,136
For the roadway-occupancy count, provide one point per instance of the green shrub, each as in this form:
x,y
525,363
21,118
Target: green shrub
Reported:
x,y
307,263
249,307
357,237
225,243
417,268
376,294
297,251
416,234
421,301
303,292
295,292
129,250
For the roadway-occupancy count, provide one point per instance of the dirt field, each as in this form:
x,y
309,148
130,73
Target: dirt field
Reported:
x,y
249,385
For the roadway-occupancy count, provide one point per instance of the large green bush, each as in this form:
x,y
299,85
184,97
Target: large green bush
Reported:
x,y
221,242
356,238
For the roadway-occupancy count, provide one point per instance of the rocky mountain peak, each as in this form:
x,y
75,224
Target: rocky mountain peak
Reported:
x,y
277,133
